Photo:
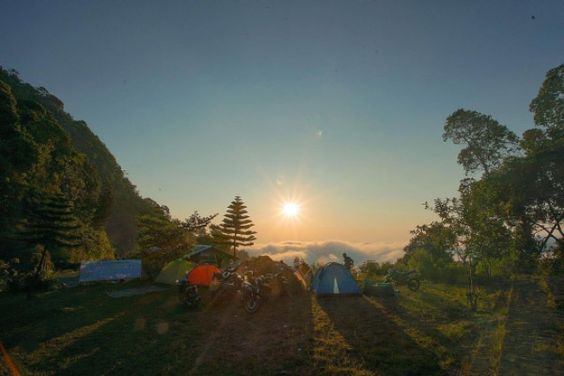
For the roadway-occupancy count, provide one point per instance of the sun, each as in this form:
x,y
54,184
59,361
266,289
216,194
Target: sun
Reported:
x,y
290,210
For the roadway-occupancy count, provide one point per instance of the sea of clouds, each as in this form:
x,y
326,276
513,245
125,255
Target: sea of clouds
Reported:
x,y
327,251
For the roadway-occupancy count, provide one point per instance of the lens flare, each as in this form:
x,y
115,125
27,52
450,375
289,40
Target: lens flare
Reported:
x,y
290,209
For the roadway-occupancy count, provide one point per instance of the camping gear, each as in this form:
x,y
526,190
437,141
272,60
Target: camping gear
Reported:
x,y
334,279
409,278
109,270
378,289
174,271
202,275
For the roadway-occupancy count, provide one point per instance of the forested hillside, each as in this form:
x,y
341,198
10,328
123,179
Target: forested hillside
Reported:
x,y
47,155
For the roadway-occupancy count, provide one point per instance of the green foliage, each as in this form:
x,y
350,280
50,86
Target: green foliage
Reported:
x,y
49,193
437,270
236,226
197,224
215,237
373,268
16,277
507,218
486,141
43,146
95,245
436,238
548,106
50,221
162,239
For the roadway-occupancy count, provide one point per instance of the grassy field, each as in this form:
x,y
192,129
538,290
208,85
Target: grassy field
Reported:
x,y
83,331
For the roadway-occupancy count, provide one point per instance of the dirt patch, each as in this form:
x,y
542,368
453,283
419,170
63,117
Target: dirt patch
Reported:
x,y
274,339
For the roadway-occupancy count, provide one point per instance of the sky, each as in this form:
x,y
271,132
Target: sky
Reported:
x,y
338,105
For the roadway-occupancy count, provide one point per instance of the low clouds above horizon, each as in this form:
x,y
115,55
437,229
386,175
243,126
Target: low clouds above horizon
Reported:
x,y
329,251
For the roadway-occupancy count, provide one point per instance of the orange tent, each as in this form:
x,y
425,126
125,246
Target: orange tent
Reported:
x,y
203,274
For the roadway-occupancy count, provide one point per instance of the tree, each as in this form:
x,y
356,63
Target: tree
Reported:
x,y
236,226
158,230
434,238
548,106
38,165
532,185
487,142
51,227
476,221
161,238
197,224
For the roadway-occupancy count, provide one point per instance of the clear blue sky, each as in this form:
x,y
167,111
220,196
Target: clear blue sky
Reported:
x,y
340,103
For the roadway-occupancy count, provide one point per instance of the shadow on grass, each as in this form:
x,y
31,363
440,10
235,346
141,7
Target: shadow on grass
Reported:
x,y
274,341
83,331
373,343
532,343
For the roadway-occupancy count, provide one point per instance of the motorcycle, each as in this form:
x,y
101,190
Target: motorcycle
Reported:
x,y
188,294
409,278
255,290
226,282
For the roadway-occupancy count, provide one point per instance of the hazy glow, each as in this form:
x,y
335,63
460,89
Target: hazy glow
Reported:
x,y
290,209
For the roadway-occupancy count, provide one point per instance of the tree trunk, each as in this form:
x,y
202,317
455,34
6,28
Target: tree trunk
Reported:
x,y
470,289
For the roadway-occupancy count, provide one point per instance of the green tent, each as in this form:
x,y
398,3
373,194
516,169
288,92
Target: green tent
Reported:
x,y
174,271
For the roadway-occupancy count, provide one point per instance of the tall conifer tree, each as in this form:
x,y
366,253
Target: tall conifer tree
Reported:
x,y
236,226
51,225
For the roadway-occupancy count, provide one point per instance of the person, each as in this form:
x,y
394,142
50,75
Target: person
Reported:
x,y
348,262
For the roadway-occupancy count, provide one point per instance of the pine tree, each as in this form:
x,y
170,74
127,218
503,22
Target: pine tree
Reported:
x,y
51,226
236,226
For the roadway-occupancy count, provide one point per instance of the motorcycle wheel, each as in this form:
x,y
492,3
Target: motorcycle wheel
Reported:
x,y
251,303
413,284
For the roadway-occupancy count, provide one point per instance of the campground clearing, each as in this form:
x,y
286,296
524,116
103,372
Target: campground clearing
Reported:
x,y
81,330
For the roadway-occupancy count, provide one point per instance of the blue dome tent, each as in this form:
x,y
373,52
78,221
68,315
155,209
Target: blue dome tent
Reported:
x,y
334,279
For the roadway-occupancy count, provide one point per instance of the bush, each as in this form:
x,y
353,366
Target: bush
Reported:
x,y
442,270
453,273
95,245
154,259
17,277
373,268
500,268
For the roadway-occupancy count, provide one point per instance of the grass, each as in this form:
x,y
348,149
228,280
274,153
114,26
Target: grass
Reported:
x,y
83,331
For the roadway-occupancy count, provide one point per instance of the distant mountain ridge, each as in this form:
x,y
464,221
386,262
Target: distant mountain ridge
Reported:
x,y
126,203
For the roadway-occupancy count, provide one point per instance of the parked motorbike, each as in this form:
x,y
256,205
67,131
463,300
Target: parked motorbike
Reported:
x,y
188,294
409,278
254,290
227,282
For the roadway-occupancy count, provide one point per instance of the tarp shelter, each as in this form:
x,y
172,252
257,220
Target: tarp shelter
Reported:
x,y
334,279
109,270
203,274
174,271
207,254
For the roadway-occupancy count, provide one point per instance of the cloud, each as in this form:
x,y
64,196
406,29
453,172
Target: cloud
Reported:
x,y
329,251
